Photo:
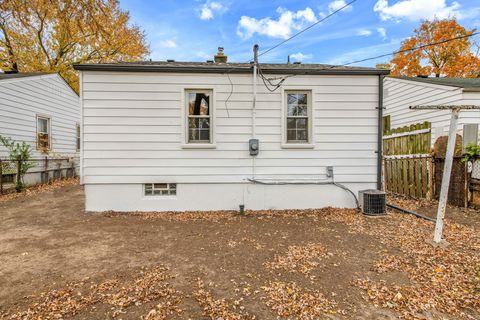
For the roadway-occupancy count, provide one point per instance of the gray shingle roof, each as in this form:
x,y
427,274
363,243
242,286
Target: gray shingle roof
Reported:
x,y
5,76
468,84
210,67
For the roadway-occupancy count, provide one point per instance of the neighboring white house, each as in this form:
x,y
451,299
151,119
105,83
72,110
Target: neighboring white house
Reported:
x,y
174,136
402,92
42,110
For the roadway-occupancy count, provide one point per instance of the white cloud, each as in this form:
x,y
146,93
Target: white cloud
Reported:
x,y
337,4
300,56
416,9
170,43
382,32
209,8
204,55
364,32
287,22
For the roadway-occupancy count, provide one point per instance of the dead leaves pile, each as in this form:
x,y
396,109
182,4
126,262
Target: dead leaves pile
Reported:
x,y
440,279
301,259
219,308
291,301
34,190
150,285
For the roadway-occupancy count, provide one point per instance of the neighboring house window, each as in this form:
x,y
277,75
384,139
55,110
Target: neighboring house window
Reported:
x,y
160,189
298,116
43,133
78,137
199,116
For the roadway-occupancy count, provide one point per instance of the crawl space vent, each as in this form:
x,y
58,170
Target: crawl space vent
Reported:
x,y
372,202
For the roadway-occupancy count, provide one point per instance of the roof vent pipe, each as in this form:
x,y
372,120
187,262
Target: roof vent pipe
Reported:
x,y
288,59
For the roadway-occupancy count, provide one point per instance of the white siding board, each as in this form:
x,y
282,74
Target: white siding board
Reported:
x,y
133,129
20,102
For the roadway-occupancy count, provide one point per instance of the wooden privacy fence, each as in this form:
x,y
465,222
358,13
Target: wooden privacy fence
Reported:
x,y
410,175
414,139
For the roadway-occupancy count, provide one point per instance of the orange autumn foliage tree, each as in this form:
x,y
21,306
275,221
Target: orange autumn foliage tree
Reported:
x,y
451,59
51,35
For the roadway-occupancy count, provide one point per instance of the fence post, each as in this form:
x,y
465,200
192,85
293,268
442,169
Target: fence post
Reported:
x,y
431,191
1,177
45,173
19,167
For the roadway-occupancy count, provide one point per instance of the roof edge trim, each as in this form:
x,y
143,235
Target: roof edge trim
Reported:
x,y
189,69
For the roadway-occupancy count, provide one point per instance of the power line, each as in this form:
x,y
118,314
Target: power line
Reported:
x,y
411,49
306,29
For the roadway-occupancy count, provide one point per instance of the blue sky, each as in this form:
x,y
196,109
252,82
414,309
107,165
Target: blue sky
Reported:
x,y
192,30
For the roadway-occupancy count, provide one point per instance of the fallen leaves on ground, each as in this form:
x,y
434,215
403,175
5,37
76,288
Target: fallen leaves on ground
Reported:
x,y
442,279
217,309
149,286
291,301
301,259
34,190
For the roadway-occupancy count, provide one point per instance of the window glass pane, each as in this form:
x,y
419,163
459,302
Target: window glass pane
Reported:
x,y
160,186
42,125
198,129
291,135
302,98
302,135
297,110
301,123
199,104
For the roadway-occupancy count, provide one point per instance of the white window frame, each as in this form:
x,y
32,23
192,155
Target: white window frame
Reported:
x,y
185,115
49,126
310,143
168,188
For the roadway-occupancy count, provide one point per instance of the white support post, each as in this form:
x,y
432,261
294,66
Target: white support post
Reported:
x,y
447,171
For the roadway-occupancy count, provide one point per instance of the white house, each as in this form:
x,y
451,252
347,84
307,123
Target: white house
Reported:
x,y
175,136
42,110
402,92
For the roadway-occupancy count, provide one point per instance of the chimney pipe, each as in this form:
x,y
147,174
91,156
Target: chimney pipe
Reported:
x,y
220,57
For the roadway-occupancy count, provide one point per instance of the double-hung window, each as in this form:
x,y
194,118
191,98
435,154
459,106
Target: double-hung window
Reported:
x,y
199,116
43,133
298,117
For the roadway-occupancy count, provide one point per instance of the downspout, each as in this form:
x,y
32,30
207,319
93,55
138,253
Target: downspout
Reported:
x,y
380,132
254,111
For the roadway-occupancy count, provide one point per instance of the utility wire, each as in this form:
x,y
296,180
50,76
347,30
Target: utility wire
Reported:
x,y
306,29
411,49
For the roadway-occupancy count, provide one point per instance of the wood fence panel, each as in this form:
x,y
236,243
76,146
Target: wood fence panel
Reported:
x,y
409,175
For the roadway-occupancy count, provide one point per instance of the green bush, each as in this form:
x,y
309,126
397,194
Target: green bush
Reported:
x,y
21,153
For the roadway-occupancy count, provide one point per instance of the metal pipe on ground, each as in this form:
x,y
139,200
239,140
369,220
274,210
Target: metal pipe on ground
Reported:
x,y
418,215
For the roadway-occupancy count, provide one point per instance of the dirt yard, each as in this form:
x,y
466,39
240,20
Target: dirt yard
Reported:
x,y
58,262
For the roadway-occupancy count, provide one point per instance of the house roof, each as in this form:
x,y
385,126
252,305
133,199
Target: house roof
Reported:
x,y
7,76
468,84
210,67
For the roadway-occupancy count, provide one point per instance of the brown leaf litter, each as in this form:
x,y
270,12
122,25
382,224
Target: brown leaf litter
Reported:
x,y
293,302
150,285
216,309
442,280
301,259
34,190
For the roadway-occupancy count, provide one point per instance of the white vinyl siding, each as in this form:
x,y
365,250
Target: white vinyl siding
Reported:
x,y
400,94
22,99
134,129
